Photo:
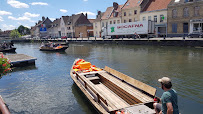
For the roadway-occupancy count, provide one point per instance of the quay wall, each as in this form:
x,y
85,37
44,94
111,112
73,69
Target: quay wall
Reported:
x,y
163,42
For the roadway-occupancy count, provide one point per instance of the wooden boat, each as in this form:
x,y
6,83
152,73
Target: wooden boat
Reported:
x,y
63,48
3,107
111,91
7,50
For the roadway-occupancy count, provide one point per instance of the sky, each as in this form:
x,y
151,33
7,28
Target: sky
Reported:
x,y
14,13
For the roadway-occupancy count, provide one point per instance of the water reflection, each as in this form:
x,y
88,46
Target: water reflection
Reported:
x,y
83,101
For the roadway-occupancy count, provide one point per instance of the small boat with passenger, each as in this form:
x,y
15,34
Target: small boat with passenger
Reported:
x,y
111,91
52,47
7,47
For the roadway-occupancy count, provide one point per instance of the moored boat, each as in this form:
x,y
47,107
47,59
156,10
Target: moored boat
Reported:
x,y
52,47
111,91
62,48
7,50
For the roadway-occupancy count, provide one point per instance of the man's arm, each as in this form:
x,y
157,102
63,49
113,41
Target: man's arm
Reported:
x,y
169,108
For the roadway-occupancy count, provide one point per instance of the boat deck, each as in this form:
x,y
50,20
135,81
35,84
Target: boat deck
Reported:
x,y
111,93
21,59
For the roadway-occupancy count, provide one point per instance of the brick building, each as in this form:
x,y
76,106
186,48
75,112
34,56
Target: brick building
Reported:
x,y
185,16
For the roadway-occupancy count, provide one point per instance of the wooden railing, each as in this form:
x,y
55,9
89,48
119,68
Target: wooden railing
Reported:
x,y
90,86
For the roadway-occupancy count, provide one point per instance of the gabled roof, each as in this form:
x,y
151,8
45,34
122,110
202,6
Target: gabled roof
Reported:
x,y
65,19
56,22
107,13
132,3
157,5
76,17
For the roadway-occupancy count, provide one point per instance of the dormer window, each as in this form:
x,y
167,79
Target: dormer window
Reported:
x,y
115,14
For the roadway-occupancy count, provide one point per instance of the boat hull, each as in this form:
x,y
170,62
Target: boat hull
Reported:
x,y
110,91
8,50
52,49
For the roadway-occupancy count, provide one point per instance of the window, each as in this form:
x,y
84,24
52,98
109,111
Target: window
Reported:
x,y
68,28
174,13
102,24
185,12
149,18
130,13
143,18
115,14
155,19
114,22
135,19
174,28
130,20
124,13
118,21
124,21
110,22
197,10
135,11
161,18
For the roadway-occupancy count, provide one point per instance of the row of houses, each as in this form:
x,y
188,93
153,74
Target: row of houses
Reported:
x,y
67,26
171,17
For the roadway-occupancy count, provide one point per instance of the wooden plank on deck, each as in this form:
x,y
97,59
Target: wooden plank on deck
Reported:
x,y
136,83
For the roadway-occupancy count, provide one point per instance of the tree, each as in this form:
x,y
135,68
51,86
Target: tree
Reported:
x,y
15,34
23,30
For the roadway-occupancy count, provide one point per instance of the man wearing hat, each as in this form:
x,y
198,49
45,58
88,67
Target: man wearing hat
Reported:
x,y
169,99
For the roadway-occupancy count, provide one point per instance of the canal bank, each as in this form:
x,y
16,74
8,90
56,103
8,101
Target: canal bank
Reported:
x,y
193,42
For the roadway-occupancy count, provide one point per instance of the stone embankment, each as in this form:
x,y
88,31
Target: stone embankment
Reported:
x,y
175,41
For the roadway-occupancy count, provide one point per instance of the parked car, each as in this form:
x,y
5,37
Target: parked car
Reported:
x,y
64,37
195,35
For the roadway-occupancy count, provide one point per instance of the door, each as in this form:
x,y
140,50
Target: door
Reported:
x,y
185,27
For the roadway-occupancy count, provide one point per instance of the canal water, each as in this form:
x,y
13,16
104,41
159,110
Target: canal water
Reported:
x,y
47,88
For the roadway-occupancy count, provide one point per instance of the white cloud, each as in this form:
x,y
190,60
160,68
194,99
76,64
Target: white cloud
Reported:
x,y
7,27
39,3
5,13
17,4
85,0
27,14
1,19
24,18
63,10
27,26
88,13
52,19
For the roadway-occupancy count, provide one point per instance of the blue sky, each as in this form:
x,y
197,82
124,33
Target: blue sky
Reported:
x,y
27,12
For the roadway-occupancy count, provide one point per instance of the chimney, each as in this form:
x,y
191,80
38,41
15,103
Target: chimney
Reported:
x,y
86,14
115,5
43,18
99,13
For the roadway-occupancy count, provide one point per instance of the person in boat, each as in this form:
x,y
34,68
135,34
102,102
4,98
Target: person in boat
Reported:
x,y
169,99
